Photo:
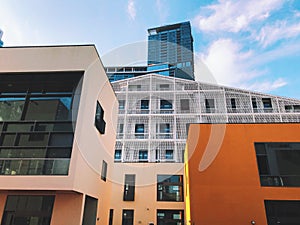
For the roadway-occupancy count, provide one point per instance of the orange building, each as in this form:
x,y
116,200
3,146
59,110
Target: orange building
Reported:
x,y
243,174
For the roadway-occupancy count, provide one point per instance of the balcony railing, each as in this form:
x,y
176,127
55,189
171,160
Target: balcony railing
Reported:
x,y
40,166
280,181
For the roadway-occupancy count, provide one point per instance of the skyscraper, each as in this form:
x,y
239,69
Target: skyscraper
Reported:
x,y
172,45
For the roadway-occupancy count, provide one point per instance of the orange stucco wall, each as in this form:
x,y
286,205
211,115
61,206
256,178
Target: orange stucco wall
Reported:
x,y
228,191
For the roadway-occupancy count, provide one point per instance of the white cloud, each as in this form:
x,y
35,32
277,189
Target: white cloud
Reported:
x,y
229,65
265,86
234,16
270,34
131,9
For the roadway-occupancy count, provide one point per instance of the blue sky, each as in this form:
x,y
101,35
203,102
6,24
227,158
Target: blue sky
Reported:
x,y
248,44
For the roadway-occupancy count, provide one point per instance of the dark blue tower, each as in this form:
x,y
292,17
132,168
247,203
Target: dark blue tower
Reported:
x,y
172,45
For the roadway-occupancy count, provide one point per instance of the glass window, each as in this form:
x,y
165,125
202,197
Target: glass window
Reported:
x,y
169,154
139,130
118,154
184,104
127,217
209,103
170,217
99,119
28,209
144,104
11,108
233,103
254,104
267,102
282,212
90,211
122,104
104,170
278,164
129,187
165,104
170,188
143,155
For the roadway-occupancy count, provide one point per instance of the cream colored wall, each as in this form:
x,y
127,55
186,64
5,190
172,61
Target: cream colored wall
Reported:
x,y
90,147
145,204
67,208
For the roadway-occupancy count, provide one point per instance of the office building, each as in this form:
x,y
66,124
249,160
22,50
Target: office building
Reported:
x,y
154,115
253,177
173,45
58,115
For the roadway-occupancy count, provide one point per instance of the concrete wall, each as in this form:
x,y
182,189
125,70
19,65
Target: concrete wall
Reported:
x,y
145,203
228,191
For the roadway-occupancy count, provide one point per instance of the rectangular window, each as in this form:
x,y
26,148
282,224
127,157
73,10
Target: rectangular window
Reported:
x,y
170,217
170,188
165,104
254,104
129,187
118,155
163,130
144,104
133,87
164,87
210,105
111,217
143,155
121,128
99,119
169,155
267,103
19,209
90,211
278,164
139,130
184,104
121,104
127,217
282,212
233,103
104,170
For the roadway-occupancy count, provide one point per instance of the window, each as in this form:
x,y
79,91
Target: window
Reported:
x,y
165,104
282,212
133,87
170,217
121,104
143,155
210,105
127,217
169,154
118,155
104,170
129,187
90,211
99,121
164,87
170,188
144,104
111,217
278,164
184,104
139,130
267,103
254,104
24,208
121,128
163,130
233,103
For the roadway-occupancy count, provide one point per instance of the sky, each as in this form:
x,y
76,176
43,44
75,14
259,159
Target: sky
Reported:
x,y
249,44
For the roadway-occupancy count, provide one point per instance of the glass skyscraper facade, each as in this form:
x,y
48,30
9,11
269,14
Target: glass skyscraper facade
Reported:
x,y
172,44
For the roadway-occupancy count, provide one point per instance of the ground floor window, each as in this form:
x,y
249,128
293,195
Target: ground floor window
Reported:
x,y
170,217
282,212
28,209
127,217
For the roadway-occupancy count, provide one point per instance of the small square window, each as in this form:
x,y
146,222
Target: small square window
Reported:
x,y
184,104
169,154
143,155
118,154
267,102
